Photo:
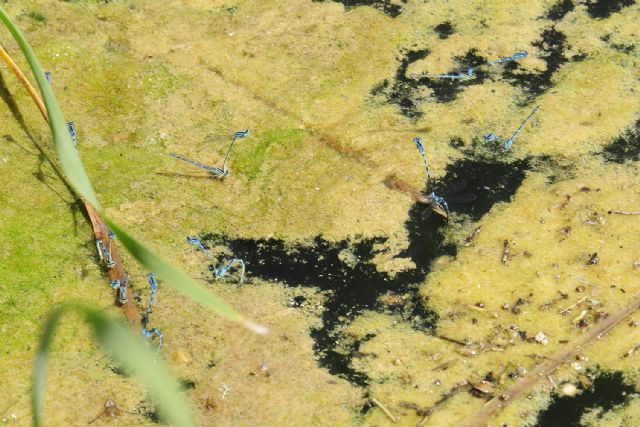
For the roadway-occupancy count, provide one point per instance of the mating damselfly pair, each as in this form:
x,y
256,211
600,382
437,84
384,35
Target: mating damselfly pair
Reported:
x,y
216,172
440,202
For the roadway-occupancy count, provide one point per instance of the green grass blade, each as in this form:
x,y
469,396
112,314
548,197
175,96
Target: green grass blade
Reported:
x,y
125,348
69,160
117,339
169,274
75,173
40,367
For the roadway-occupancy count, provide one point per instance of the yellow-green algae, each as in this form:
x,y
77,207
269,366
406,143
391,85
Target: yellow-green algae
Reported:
x,y
145,78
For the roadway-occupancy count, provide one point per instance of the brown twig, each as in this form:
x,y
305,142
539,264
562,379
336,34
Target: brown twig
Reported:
x,y
384,409
444,365
632,350
446,396
575,304
478,309
100,230
452,340
505,252
624,213
497,404
469,240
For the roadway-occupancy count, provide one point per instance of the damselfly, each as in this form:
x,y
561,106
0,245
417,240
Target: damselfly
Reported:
x,y
226,268
449,200
469,72
420,147
196,242
216,172
506,145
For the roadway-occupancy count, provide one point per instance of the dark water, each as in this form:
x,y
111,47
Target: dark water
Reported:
x,y
560,9
601,9
402,90
387,7
626,147
444,30
552,45
354,288
608,390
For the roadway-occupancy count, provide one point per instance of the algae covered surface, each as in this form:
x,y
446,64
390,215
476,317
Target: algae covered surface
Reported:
x,y
377,307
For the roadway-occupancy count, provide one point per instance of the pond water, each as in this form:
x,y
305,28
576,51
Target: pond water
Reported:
x,y
378,307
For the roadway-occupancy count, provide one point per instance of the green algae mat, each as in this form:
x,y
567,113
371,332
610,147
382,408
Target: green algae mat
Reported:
x,y
380,310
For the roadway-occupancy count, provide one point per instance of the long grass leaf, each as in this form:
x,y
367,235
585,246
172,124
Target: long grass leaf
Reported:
x,y
40,367
75,173
69,160
168,273
125,348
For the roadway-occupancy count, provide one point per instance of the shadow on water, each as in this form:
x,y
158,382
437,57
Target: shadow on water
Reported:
x,y
345,269
560,9
444,30
620,47
551,46
625,147
387,7
403,89
601,9
44,159
608,390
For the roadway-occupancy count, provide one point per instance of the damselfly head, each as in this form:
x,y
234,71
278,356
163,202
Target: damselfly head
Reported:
x,y
418,142
241,134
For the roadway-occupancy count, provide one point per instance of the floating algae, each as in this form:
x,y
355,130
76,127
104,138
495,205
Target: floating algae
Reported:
x,y
153,78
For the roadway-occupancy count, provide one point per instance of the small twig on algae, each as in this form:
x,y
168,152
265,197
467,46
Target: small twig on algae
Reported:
x,y
16,70
384,409
115,267
623,213
540,372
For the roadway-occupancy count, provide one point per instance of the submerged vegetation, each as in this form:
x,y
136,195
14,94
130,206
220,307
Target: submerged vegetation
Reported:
x,y
387,301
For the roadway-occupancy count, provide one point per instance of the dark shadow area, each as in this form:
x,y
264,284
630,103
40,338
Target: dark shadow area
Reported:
x,y
607,391
186,175
551,45
625,147
388,7
491,181
147,410
11,103
601,9
75,203
560,9
403,90
406,91
187,384
444,30
346,272
620,47
353,286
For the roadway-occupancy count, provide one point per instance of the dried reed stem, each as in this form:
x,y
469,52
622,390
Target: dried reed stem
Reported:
x,y
18,73
542,371
100,230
